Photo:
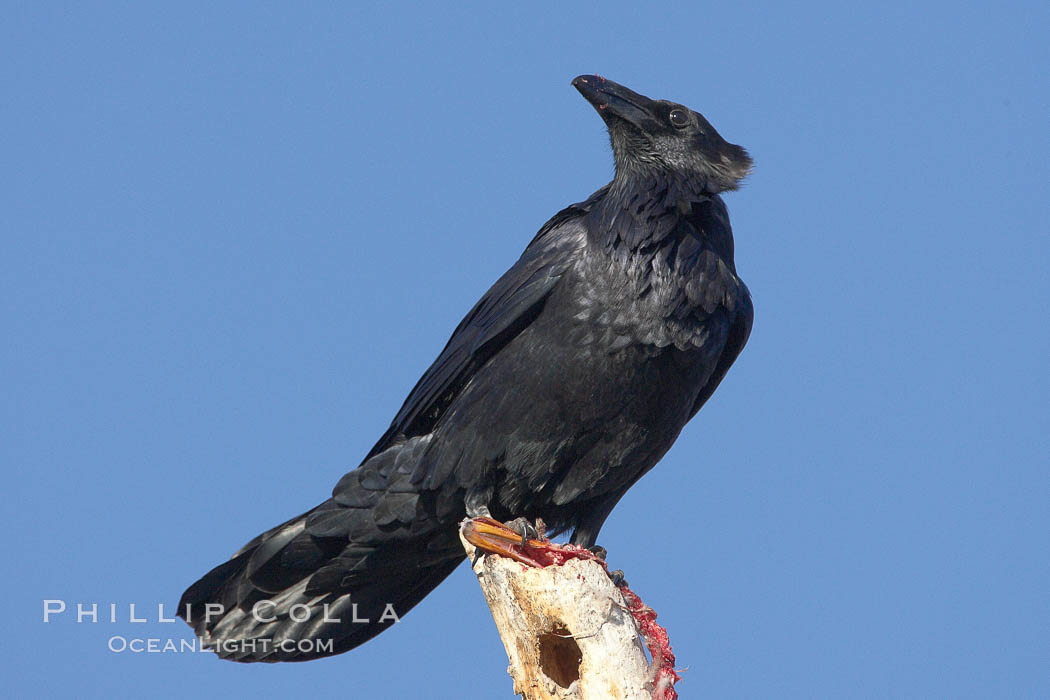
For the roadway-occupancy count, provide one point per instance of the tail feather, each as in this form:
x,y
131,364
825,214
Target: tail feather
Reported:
x,y
237,610
331,578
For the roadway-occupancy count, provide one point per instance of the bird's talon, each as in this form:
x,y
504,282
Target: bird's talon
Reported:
x,y
527,529
491,536
618,578
598,551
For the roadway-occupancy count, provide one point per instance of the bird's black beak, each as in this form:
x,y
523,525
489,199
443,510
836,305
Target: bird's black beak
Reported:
x,y
613,99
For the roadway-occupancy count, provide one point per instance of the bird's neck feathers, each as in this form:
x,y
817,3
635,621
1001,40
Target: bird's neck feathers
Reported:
x,y
641,209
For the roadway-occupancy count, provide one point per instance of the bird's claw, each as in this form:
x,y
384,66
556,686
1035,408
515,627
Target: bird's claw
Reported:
x,y
599,551
618,578
527,529
523,542
489,535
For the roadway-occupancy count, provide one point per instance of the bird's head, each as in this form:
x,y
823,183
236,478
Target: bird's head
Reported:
x,y
650,135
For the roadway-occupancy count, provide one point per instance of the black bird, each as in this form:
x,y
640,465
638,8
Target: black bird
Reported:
x,y
566,382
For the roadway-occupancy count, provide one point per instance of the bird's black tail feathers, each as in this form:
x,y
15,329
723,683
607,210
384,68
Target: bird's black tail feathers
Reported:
x,y
289,595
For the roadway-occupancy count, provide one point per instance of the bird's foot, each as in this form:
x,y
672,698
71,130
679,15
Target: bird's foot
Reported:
x,y
618,579
490,536
599,551
527,529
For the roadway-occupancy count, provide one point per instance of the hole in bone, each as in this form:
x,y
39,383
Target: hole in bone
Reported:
x,y
560,656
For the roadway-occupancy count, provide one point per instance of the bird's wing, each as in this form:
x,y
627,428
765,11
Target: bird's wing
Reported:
x,y
735,305
503,312
735,341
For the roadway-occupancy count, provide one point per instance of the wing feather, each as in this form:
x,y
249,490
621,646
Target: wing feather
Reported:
x,y
508,307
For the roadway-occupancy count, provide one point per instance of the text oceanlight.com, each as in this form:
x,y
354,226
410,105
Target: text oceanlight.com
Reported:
x,y
263,611
155,645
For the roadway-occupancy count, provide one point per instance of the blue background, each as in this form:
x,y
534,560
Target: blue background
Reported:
x,y
233,237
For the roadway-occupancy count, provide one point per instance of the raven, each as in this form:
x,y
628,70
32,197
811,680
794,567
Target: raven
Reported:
x,y
566,382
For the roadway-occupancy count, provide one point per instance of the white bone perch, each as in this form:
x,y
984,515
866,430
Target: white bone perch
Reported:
x,y
567,630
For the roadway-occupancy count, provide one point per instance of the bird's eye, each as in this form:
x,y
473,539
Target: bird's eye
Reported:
x,y
679,118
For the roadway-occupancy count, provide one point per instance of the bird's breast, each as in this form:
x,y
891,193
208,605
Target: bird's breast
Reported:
x,y
654,301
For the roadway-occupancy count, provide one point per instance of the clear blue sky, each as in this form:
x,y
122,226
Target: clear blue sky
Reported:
x,y
232,237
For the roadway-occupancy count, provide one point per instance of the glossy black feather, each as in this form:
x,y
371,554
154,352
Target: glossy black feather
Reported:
x,y
565,383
